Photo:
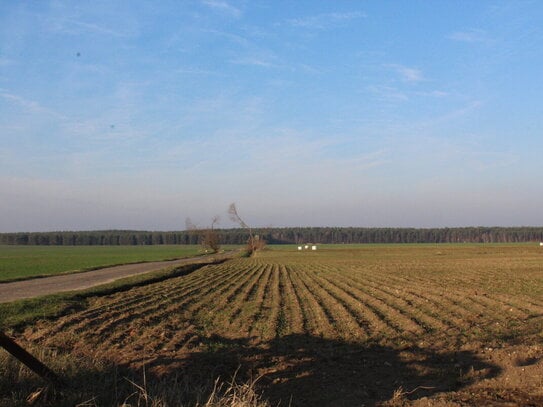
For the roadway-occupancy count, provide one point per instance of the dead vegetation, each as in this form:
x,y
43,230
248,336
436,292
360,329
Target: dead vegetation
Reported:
x,y
255,242
208,237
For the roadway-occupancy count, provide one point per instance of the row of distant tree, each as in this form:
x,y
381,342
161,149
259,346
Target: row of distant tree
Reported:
x,y
283,236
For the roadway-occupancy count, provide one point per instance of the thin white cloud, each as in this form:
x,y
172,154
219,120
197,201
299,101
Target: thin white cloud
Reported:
x,y
198,71
389,93
408,74
322,21
237,39
97,29
470,36
309,69
77,27
443,118
260,58
467,109
254,61
223,7
438,93
434,93
363,162
29,105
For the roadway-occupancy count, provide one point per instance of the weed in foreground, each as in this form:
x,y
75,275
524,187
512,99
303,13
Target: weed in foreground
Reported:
x,y
233,394
98,384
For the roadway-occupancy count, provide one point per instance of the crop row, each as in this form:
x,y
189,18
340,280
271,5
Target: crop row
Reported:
x,y
258,299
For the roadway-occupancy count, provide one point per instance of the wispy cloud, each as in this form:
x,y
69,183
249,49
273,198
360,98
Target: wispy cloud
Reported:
x,y
223,7
451,115
467,109
254,61
259,58
77,27
388,93
237,39
471,36
29,105
322,21
366,161
97,29
408,74
267,59
198,71
434,94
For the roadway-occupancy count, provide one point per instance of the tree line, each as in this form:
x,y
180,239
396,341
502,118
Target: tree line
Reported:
x,y
289,235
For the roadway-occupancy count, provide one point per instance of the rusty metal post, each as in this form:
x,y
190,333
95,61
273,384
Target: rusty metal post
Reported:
x,y
30,361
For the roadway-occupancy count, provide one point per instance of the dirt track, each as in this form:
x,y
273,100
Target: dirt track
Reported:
x,y
79,281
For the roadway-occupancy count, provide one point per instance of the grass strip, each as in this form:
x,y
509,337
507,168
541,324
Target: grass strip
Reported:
x,y
19,313
19,263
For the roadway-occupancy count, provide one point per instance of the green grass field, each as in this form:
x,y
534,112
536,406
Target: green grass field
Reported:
x,y
21,262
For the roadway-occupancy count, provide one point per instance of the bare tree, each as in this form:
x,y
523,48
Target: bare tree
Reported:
x,y
211,238
190,226
207,237
254,242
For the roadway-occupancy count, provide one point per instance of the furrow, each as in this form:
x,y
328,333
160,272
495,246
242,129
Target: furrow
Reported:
x,y
294,312
316,319
393,318
249,313
264,326
358,322
244,297
232,300
202,311
450,316
154,312
121,303
369,320
467,307
344,323
258,310
282,321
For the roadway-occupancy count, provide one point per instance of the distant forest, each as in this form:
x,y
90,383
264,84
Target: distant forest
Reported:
x,y
283,236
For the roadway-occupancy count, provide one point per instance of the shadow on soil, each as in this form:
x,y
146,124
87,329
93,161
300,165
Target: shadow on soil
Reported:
x,y
295,370
302,370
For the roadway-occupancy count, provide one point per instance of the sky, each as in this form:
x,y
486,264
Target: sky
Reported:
x,y
139,114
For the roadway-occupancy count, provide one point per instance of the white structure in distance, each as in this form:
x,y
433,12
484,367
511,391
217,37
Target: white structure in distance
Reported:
x,y
307,246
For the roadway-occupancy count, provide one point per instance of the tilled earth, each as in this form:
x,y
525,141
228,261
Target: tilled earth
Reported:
x,y
454,325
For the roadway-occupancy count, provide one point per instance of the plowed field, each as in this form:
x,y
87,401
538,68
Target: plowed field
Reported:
x,y
356,326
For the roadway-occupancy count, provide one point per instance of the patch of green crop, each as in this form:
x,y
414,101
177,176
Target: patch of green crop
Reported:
x,y
22,262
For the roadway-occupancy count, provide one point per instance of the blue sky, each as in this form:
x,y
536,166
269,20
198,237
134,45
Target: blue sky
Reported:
x,y
138,114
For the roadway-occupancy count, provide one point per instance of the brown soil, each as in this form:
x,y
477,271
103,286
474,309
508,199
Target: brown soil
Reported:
x,y
328,332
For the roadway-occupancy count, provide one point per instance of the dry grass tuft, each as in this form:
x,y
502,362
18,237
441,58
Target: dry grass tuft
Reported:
x,y
233,394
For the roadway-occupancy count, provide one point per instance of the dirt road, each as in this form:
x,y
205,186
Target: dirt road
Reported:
x,y
79,281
